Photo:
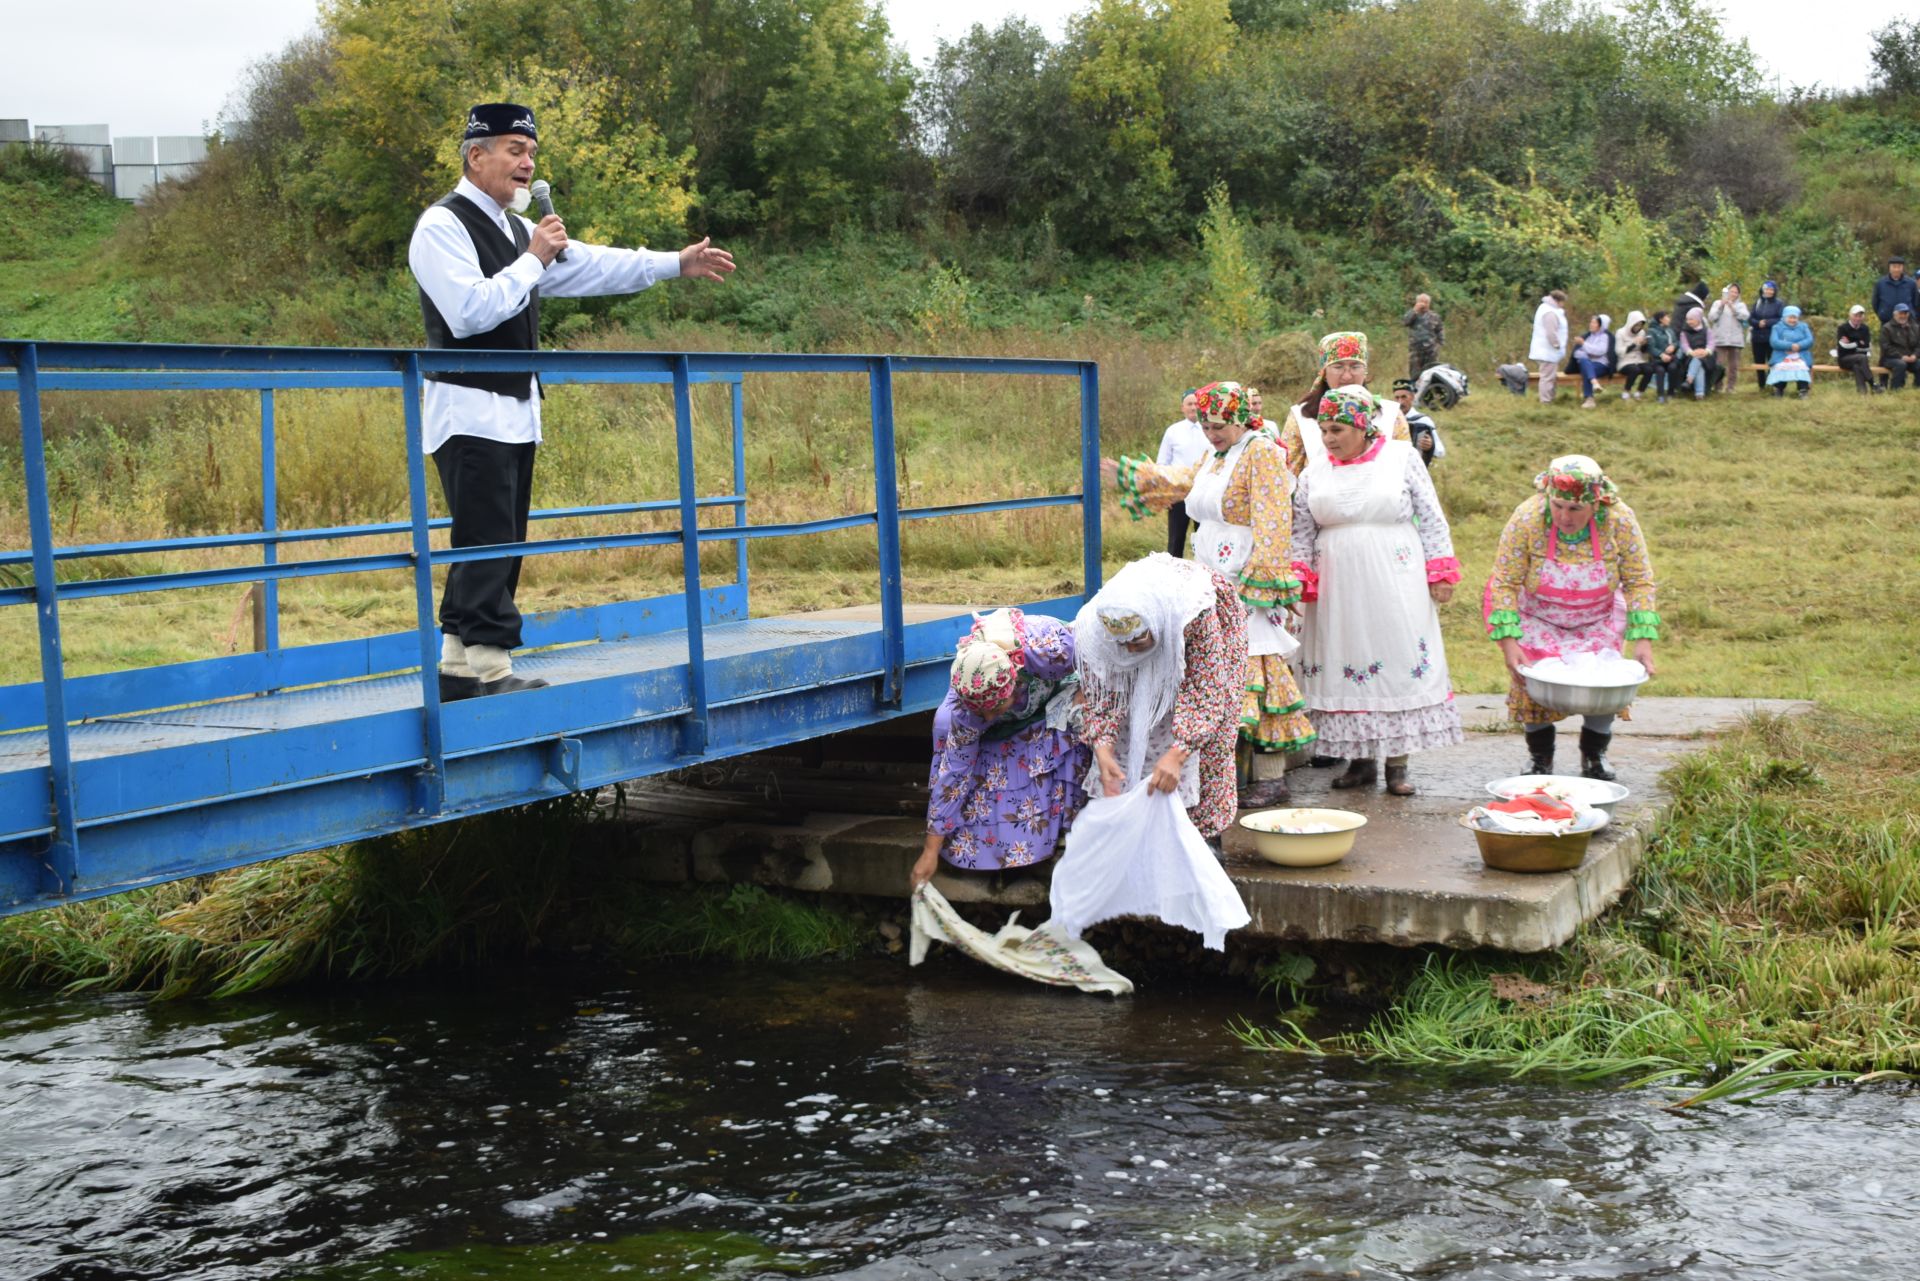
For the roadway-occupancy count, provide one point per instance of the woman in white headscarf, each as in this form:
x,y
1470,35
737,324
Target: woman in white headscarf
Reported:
x,y
1007,762
1162,650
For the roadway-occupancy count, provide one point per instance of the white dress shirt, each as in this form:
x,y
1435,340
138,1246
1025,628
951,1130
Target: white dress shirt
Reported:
x,y
1183,443
448,268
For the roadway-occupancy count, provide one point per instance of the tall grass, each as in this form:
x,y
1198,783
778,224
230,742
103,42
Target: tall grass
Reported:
x,y
1770,939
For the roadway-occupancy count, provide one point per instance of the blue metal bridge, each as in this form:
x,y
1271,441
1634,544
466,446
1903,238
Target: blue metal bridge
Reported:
x,y
113,781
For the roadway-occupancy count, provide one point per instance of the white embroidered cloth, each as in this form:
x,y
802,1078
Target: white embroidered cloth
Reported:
x,y
1045,954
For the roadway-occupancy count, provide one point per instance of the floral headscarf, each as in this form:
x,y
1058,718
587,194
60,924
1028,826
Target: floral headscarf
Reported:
x,y
1223,403
1354,405
1343,346
988,661
1579,479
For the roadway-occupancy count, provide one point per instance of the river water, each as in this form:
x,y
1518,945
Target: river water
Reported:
x,y
866,1121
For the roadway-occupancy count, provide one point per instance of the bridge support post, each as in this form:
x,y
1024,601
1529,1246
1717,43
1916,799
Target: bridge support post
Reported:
x,y
693,735
63,851
1091,572
430,795
266,594
886,505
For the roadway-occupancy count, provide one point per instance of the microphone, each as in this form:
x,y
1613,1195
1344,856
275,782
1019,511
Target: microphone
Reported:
x,y
543,196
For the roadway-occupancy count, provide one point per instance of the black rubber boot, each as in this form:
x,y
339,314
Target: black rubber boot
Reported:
x,y
1540,748
455,688
1268,793
511,684
1359,774
1593,755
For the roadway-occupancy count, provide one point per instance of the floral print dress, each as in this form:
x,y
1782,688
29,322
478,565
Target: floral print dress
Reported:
x,y
1259,496
1003,792
1206,711
1532,594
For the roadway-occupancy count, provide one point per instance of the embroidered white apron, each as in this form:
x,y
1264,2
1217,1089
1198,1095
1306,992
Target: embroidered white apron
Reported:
x,y
1372,640
1225,548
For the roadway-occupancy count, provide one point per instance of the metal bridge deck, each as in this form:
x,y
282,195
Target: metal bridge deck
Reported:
x,y
292,709
109,782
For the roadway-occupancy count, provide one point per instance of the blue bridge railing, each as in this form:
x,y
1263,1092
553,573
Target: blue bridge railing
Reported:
x,y
48,802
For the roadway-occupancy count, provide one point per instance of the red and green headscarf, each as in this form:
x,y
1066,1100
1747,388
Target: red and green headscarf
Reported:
x,y
1354,405
1579,479
1343,346
1223,403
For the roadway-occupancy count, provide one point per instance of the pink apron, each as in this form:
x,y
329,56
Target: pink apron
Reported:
x,y
1575,610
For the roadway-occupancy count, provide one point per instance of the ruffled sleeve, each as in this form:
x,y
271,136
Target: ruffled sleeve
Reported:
x,y
1048,645
953,770
1149,487
1511,565
1627,548
1262,485
1305,535
1436,536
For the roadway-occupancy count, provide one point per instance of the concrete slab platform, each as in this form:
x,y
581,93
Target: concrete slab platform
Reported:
x,y
1414,877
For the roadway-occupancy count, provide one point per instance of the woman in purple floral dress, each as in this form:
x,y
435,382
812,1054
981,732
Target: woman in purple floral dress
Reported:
x,y
1007,759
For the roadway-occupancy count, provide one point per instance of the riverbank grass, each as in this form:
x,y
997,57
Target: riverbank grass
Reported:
x,y
1771,939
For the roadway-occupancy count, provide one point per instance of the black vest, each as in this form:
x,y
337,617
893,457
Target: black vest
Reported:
x,y
518,332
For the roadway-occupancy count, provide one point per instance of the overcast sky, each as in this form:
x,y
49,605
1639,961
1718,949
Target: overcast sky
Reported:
x,y
167,68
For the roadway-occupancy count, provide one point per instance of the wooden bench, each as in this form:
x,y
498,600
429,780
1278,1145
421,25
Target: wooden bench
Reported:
x,y
1759,372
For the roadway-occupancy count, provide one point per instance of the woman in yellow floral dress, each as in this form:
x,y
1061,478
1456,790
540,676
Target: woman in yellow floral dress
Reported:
x,y
1242,496
1572,576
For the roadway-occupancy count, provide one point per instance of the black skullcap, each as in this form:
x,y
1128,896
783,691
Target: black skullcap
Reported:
x,y
497,119
1896,258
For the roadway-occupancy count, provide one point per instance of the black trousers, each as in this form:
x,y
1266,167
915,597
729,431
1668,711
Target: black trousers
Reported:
x,y
489,489
1177,530
1898,371
1861,367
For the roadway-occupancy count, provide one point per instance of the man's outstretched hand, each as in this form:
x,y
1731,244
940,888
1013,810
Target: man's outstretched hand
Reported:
x,y
705,261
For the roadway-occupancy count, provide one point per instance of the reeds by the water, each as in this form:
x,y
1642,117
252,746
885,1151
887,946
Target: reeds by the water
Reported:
x,y
1772,939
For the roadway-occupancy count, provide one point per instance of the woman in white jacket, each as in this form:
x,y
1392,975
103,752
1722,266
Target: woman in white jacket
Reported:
x,y
1549,341
1727,322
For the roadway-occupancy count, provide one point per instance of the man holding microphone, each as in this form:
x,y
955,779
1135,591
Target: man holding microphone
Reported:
x,y
482,269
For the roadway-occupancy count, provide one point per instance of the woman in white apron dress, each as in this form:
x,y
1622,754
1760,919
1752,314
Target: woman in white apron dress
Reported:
x,y
1343,363
1572,576
1241,495
1372,663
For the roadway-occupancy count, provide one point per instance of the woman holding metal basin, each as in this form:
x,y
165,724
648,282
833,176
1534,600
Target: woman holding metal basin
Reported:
x,y
1572,577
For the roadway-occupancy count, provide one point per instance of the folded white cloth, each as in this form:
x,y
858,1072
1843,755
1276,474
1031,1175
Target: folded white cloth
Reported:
x,y
1139,854
1525,824
1044,955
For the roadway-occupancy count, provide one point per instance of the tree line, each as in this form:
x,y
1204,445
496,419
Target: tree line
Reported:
x,y
1494,146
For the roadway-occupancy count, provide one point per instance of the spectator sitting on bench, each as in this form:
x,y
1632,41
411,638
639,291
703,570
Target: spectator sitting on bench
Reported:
x,y
1792,354
1900,347
1853,346
1702,367
1636,357
1593,356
